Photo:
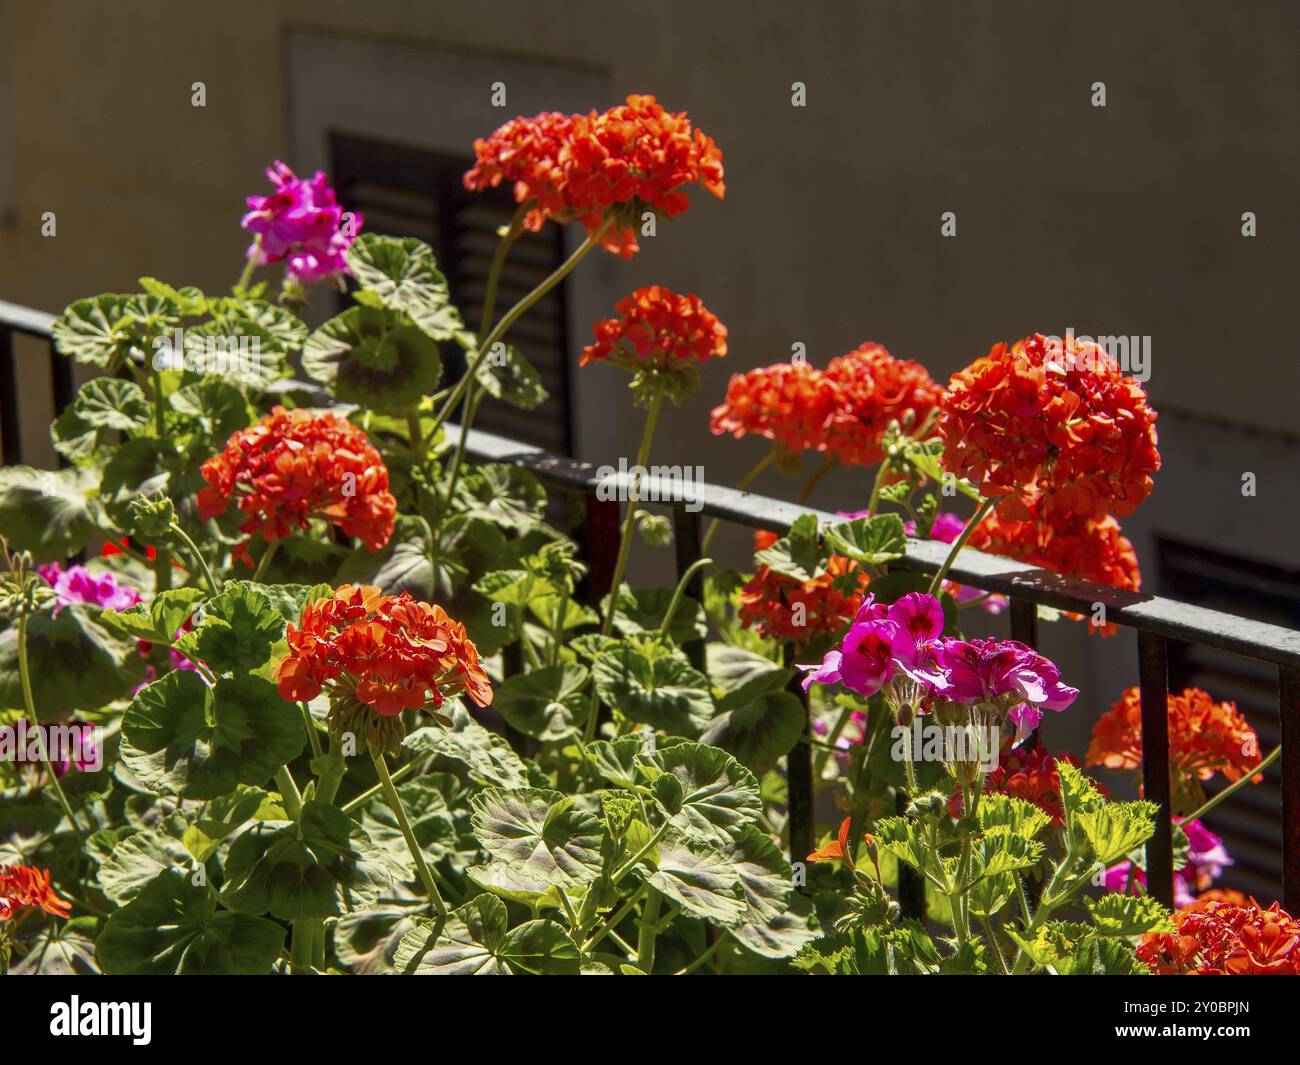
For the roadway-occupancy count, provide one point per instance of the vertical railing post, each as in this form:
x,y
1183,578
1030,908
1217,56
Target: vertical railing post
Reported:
x,y
911,885
686,546
1024,622
1153,683
799,779
1289,706
11,445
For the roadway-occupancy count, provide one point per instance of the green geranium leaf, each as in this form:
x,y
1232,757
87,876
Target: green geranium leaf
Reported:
x,y
1013,815
617,761
211,409
484,755
157,621
375,358
59,948
506,496
539,834
246,343
173,927
109,330
719,796
324,865
798,554
136,861
1116,828
548,704
103,406
759,733
366,942
477,941
874,541
75,662
235,631
642,611
181,737
702,880
655,684
1128,915
189,301
401,275
47,512
506,375
739,676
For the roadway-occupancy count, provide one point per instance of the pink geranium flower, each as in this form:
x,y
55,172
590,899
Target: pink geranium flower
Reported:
x,y
300,222
1206,858
77,584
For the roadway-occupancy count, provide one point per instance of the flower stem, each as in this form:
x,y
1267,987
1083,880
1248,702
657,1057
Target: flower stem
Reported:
x,y
645,942
878,484
202,563
741,485
265,560
816,478
289,792
680,590
979,515
624,546
704,955
312,738
426,877
250,264
1232,788
25,679
509,319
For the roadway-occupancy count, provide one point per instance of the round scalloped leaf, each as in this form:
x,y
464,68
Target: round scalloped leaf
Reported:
x,y
548,704
539,834
102,406
719,796
761,732
47,512
478,942
236,630
135,861
401,275
110,329
701,879
324,865
374,358
173,927
75,663
655,685
181,737
487,758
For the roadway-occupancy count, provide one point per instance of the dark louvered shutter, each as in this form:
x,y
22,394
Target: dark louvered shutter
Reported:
x,y
404,191
1250,821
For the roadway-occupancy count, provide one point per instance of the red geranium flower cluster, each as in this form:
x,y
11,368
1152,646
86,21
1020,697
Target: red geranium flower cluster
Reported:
x,y
25,886
1026,773
875,389
774,604
1219,939
843,410
297,465
391,652
657,328
1092,549
1054,428
790,403
612,165
1205,737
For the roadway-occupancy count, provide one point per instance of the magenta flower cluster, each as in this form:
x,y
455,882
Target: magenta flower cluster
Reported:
x,y
901,649
300,223
1204,864
76,584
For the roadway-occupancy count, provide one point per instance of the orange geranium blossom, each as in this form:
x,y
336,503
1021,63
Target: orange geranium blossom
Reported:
x,y
297,465
1205,737
1054,428
657,328
613,165
380,653
843,410
25,886
781,607
1092,549
1220,939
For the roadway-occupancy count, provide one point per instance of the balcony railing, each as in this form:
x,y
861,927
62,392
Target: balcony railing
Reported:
x,y
1157,620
